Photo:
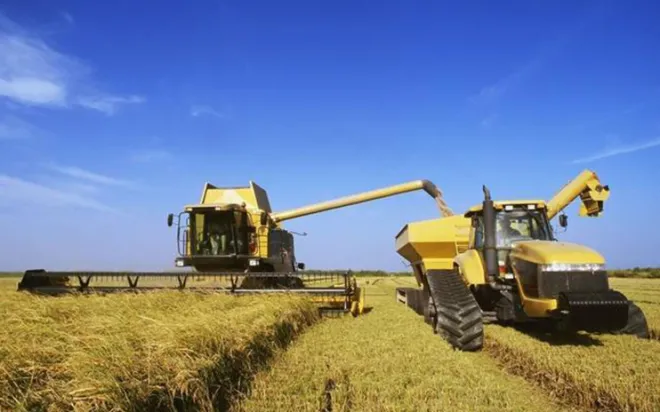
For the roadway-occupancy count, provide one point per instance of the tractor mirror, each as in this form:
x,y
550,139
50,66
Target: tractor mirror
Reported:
x,y
563,221
301,266
170,219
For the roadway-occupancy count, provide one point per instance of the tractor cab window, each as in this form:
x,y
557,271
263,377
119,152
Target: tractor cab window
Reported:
x,y
478,224
520,225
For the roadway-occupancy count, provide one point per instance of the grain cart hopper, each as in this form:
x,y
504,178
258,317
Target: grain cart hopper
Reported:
x,y
500,262
234,242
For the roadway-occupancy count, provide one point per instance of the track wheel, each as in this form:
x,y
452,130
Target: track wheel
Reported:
x,y
458,316
636,323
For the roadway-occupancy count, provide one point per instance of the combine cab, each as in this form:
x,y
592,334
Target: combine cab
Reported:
x,y
232,242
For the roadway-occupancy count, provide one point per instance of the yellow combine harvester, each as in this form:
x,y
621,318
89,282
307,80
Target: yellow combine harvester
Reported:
x,y
501,262
234,242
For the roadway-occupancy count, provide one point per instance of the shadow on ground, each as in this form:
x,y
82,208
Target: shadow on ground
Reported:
x,y
549,334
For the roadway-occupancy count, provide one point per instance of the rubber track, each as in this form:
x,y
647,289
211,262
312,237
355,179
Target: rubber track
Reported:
x,y
459,317
637,324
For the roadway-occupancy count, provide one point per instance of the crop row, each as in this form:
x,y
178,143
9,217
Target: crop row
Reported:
x,y
598,372
129,352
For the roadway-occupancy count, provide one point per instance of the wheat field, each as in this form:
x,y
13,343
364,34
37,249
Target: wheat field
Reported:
x,y
186,351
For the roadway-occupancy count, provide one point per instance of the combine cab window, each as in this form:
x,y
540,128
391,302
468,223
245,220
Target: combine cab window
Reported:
x,y
280,244
221,233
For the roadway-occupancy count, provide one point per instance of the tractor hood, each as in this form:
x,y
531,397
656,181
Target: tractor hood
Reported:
x,y
546,252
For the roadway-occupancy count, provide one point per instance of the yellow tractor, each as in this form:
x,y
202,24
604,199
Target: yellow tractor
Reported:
x,y
234,242
501,262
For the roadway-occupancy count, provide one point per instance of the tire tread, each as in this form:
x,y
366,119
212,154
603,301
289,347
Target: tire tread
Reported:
x,y
459,317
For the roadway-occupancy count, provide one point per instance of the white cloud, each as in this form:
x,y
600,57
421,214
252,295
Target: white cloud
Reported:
x,y
107,104
13,128
150,156
19,190
82,174
81,188
199,110
615,151
33,91
500,87
544,54
33,73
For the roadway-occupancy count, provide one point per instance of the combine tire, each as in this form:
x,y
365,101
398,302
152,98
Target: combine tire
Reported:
x,y
636,323
457,314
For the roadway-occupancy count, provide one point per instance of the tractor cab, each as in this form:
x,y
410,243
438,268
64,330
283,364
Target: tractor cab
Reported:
x,y
515,221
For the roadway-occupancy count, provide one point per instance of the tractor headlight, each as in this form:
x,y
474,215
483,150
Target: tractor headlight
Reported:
x,y
178,263
572,267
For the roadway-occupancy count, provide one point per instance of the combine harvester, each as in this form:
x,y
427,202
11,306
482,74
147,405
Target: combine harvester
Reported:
x,y
232,238
500,262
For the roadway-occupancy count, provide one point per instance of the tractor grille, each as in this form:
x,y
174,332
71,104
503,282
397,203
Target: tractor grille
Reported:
x,y
550,284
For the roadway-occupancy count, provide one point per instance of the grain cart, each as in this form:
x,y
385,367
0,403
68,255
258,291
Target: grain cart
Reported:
x,y
234,242
501,262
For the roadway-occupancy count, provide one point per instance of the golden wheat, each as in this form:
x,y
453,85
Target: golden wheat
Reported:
x,y
386,360
136,352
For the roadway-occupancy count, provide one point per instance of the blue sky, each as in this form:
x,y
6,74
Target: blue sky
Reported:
x,y
113,114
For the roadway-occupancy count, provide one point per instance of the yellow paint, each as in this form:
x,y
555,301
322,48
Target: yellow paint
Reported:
x,y
588,188
254,196
441,243
425,185
500,204
472,267
535,307
541,252
433,243
253,200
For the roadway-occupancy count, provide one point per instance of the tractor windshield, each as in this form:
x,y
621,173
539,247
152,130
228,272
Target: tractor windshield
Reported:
x,y
516,225
519,225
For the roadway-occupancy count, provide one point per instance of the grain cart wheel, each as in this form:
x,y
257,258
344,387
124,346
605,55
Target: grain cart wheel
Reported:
x,y
458,316
429,312
411,297
636,323
415,301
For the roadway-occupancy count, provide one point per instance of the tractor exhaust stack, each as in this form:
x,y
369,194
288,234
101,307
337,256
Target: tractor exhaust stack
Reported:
x,y
490,243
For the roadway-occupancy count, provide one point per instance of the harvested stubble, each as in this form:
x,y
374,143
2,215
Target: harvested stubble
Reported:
x,y
598,372
640,290
652,313
139,352
387,360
